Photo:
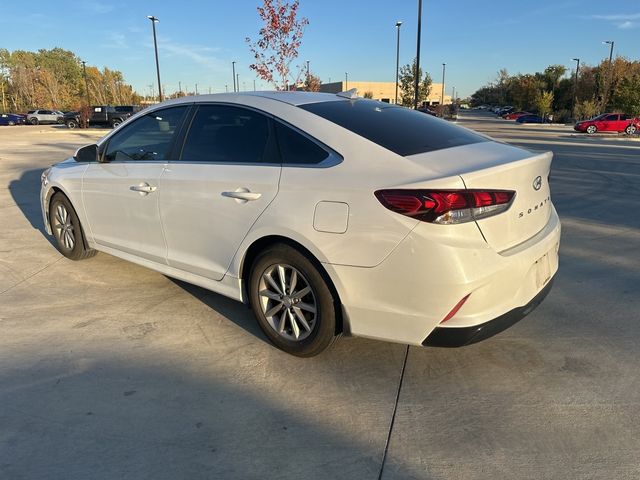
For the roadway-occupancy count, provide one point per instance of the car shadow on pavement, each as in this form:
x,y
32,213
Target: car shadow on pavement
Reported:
x,y
231,309
111,417
25,192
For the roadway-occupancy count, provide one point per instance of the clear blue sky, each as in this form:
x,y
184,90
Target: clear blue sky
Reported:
x,y
199,39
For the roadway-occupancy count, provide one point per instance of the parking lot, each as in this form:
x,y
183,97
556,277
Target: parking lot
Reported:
x,y
109,370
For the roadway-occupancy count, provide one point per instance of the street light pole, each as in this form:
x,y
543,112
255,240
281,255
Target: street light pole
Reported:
x,y
237,82
346,81
575,88
398,24
155,20
605,97
444,66
233,66
86,85
416,82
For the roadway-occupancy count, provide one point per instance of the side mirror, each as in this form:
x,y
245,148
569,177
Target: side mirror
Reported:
x,y
88,153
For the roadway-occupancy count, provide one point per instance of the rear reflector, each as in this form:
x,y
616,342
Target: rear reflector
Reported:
x,y
455,309
446,206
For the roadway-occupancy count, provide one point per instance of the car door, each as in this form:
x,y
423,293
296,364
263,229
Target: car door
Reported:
x,y
45,116
609,123
624,122
227,175
120,193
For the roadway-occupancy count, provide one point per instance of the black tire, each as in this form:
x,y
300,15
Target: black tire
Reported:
x,y
115,123
72,124
630,130
322,333
591,129
69,223
33,121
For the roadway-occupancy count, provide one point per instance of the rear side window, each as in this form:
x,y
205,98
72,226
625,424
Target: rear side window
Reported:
x,y
226,134
399,129
148,138
296,149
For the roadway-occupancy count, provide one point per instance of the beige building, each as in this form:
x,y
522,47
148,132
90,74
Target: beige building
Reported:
x,y
384,91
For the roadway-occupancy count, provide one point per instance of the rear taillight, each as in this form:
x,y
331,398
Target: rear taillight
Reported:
x,y
446,206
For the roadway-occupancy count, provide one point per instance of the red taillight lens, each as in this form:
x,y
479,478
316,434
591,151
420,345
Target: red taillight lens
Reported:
x,y
446,206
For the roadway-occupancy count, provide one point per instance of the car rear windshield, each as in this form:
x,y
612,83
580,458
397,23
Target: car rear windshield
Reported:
x,y
399,129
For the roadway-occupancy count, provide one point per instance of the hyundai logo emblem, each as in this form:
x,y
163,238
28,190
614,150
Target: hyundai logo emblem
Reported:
x,y
537,183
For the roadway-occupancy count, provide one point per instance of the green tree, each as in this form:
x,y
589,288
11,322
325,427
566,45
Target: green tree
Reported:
x,y
543,103
368,95
627,95
407,78
587,109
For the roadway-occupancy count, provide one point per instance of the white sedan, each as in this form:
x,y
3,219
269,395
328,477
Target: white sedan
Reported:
x,y
328,214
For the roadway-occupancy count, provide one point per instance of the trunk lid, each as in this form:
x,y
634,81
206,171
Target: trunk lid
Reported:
x,y
531,207
497,166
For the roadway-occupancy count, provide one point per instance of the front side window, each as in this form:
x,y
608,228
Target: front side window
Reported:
x,y
227,134
148,138
611,118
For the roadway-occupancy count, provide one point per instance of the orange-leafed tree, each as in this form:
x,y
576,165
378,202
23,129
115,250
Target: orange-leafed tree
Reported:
x,y
278,43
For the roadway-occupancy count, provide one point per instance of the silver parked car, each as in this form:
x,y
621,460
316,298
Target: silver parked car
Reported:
x,y
35,117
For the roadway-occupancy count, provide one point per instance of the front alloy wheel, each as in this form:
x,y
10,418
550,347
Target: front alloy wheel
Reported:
x,y
292,301
630,130
63,228
591,129
66,229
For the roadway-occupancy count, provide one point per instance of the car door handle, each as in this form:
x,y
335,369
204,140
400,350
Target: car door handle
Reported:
x,y
242,194
143,188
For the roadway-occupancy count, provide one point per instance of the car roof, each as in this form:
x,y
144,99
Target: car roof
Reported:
x,y
291,98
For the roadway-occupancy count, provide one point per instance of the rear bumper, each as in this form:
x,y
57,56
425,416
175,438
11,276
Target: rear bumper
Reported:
x,y
461,336
406,297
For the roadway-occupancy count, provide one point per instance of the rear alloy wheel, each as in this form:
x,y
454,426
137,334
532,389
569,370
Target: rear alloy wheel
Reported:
x,y
67,230
11,123
591,129
72,124
630,130
116,123
33,121
292,302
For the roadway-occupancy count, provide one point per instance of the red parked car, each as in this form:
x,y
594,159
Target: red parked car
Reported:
x,y
515,115
610,122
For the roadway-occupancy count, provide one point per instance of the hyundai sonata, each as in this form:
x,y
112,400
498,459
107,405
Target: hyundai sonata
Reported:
x,y
328,214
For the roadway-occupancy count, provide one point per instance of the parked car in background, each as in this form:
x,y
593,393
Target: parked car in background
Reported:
x,y
270,198
609,122
127,108
505,110
428,111
530,119
11,119
101,115
515,115
35,117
